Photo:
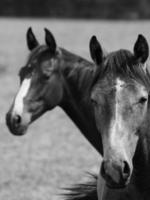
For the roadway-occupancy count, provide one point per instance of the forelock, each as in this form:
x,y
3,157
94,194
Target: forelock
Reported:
x,y
122,63
34,55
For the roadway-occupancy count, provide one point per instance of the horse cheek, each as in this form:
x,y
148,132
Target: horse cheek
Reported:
x,y
54,95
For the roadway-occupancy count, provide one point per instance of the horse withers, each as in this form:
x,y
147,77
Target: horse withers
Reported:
x,y
120,97
54,77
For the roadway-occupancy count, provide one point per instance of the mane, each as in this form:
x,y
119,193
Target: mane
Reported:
x,y
83,191
122,63
66,55
37,51
71,57
77,69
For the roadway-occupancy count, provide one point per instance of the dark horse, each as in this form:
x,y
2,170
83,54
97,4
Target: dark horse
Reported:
x,y
54,77
121,101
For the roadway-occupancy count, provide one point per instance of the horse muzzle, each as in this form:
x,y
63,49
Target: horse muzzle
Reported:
x,y
17,124
116,174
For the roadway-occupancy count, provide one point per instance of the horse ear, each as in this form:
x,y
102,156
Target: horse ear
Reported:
x,y
50,40
96,50
141,49
31,39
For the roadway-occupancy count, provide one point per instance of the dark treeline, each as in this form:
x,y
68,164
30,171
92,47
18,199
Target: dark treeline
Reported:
x,y
129,9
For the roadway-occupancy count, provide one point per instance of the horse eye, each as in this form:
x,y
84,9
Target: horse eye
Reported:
x,y
142,100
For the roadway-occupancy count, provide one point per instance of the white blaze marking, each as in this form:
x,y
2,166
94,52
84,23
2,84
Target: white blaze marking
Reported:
x,y
116,122
145,67
119,85
18,104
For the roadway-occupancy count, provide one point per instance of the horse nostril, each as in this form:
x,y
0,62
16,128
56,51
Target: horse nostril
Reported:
x,y
17,120
126,169
102,168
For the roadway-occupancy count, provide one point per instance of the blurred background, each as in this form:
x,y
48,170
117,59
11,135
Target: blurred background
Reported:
x,y
107,9
54,154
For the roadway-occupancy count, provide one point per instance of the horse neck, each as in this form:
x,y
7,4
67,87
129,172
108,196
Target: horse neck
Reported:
x,y
77,77
141,162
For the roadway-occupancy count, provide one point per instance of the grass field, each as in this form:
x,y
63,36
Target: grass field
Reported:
x,y
53,154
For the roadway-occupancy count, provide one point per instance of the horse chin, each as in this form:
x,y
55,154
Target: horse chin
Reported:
x,y
19,131
113,185
38,114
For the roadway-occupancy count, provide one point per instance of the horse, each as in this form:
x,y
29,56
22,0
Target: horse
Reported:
x,y
53,76
120,94
121,101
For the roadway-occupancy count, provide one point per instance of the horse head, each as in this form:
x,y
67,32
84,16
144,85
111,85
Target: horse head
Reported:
x,y
119,94
40,84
